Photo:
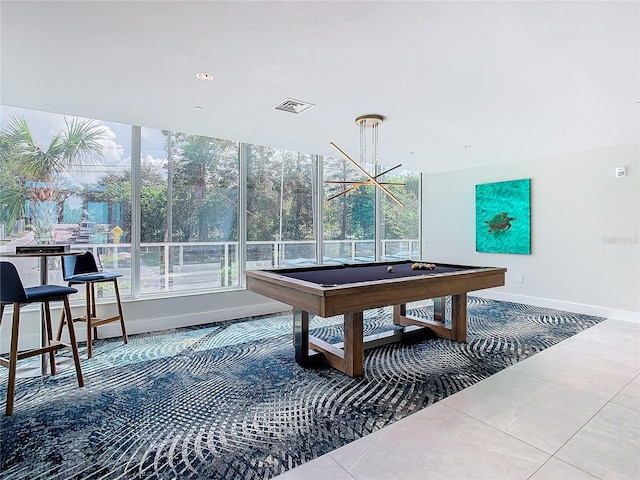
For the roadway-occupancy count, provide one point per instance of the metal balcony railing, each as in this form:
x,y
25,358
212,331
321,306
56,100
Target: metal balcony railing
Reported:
x,y
190,266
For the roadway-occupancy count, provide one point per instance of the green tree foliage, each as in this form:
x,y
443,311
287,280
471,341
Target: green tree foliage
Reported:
x,y
362,212
402,222
263,194
348,216
153,224
28,172
114,188
280,187
298,199
205,180
13,193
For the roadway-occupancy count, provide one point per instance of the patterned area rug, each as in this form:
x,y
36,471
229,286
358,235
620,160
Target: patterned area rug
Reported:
x,y
227,400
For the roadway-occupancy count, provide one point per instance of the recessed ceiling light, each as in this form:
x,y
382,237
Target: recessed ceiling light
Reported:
x,y
204,76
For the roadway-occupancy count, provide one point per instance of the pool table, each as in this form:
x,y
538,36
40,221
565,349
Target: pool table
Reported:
x,y
350,289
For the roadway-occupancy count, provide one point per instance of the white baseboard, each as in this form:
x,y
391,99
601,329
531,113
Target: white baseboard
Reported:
x,y
31,338
625,315
199,318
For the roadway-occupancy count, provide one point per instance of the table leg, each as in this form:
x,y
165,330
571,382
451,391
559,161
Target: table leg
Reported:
x,y
353,344
301,336
44,279
459,317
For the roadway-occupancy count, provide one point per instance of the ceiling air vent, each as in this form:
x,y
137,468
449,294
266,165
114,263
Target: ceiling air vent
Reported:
x,y
293,106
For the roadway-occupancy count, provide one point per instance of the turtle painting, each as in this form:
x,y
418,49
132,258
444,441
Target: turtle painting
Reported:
x,y
500,222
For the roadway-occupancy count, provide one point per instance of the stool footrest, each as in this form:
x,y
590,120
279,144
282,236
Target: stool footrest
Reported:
x,y
54,347
96,322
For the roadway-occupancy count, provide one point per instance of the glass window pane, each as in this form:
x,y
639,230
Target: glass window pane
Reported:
x,y
349,218
401,225
189,189
280,205
66,180
190,242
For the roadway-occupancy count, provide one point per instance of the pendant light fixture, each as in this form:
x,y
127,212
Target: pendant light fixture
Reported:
x,y
365,123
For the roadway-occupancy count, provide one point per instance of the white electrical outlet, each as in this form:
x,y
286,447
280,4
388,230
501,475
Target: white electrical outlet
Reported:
x,y
621,171
519,278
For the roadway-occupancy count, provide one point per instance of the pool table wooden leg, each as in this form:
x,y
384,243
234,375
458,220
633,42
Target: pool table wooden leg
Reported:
x,y
459,317
301,336
353,360
458,330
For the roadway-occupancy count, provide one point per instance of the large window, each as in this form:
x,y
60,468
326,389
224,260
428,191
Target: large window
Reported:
x,y
349,219
69,180
400,225
66,180
280,208
189,212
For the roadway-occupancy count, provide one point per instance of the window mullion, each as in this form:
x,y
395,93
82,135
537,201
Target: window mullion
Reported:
x,y
318,219
243,154
136,203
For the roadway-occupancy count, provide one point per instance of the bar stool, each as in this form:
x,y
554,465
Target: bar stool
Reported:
x,y
83,269
12,292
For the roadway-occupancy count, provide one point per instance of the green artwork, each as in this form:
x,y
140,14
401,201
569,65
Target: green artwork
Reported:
x,y
503,217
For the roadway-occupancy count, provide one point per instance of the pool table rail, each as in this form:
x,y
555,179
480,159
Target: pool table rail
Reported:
x,y
330,300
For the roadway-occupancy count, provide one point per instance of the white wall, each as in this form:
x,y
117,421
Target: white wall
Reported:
x,y
584,222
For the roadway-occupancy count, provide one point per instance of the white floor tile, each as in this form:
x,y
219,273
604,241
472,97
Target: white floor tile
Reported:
x,y
608,447
630,396
556,469
612,340
578,371
536,411
440,443
350,454
323,468
616,328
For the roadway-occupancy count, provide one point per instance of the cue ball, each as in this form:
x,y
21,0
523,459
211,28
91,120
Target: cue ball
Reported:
x,y
389,268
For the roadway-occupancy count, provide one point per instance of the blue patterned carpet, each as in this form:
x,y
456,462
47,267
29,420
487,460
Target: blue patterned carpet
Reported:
x,y
227,400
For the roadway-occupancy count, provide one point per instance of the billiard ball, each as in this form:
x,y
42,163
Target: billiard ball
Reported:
x,y
389,268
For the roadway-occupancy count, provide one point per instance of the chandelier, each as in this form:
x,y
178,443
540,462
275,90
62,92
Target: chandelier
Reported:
x,y
365,122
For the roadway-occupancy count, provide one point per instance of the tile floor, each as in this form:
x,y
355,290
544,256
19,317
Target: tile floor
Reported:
x,y
569,412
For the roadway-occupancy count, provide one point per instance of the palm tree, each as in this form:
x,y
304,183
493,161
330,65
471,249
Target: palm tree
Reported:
x,y
28,172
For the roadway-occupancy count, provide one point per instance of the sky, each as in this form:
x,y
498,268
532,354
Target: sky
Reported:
x,y
116,143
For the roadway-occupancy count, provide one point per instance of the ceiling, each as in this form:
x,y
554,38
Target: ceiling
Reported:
x,y
509,80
